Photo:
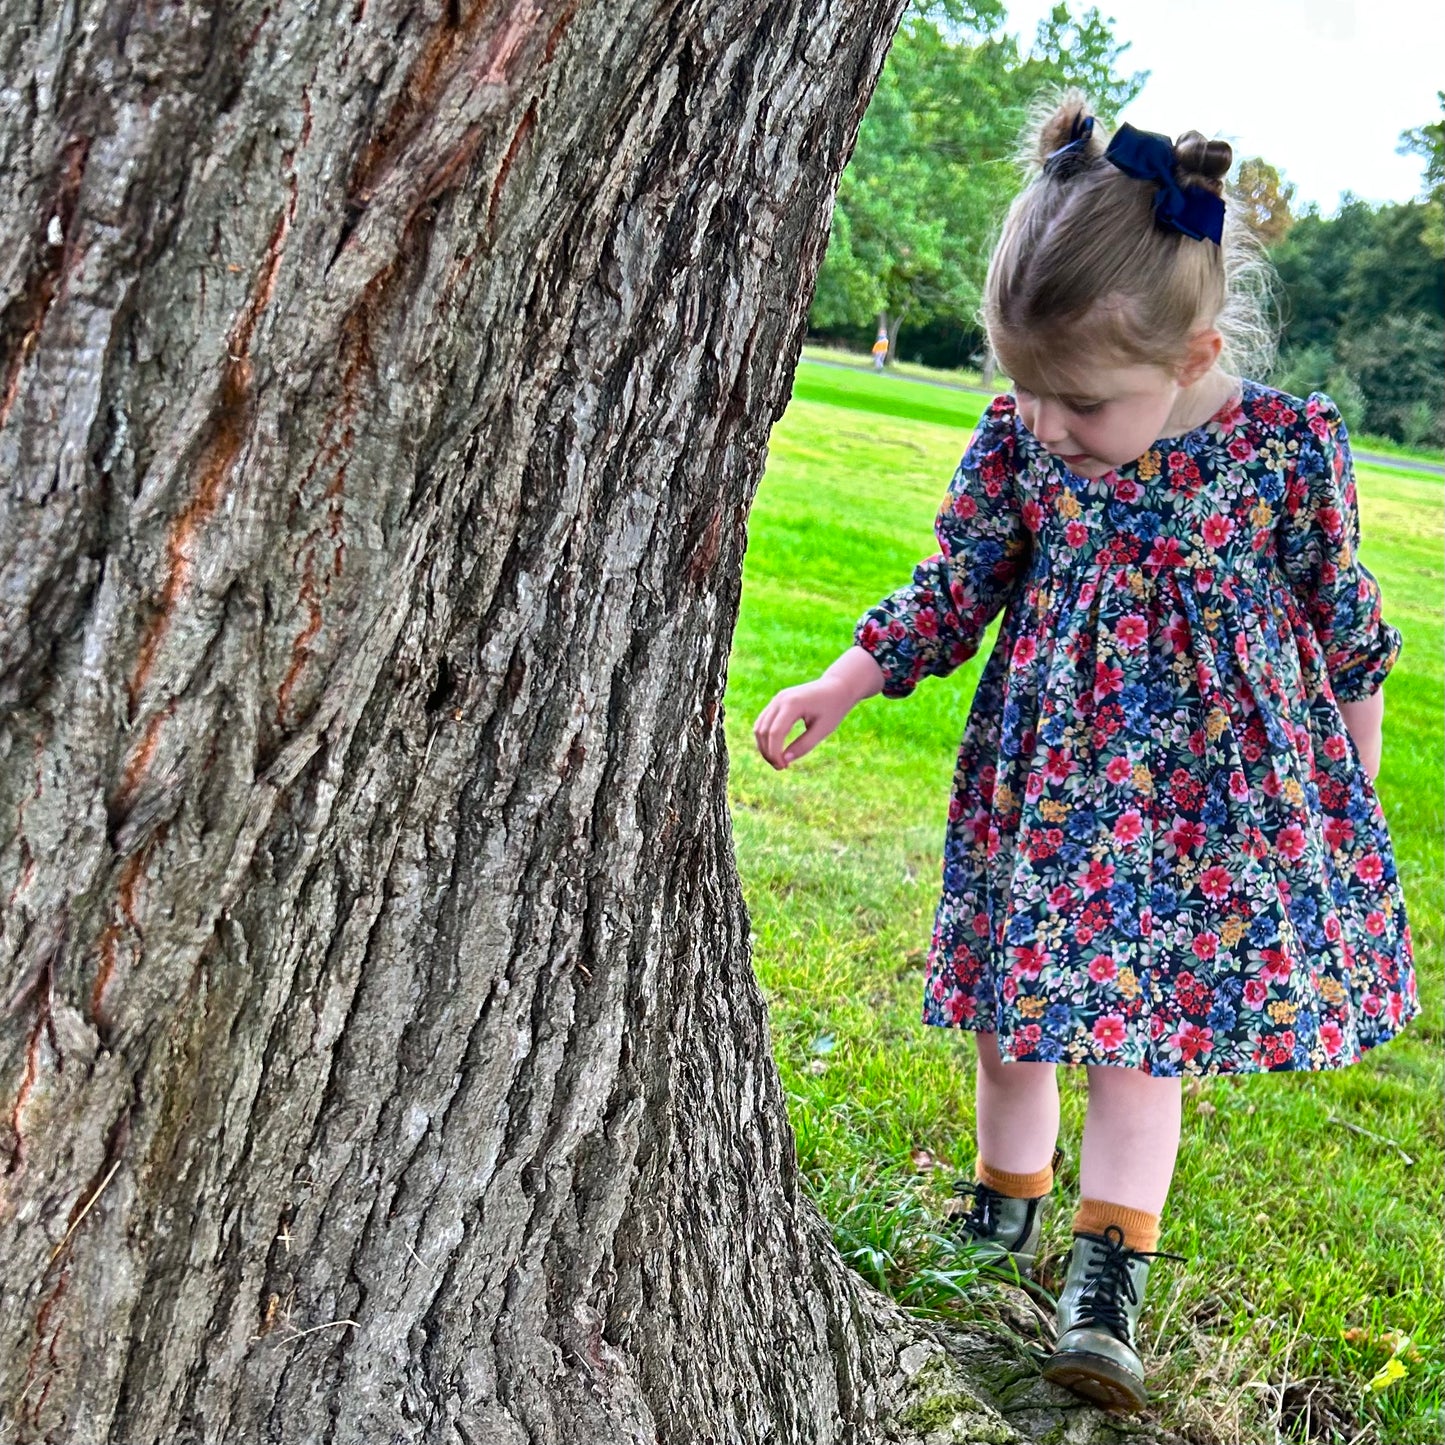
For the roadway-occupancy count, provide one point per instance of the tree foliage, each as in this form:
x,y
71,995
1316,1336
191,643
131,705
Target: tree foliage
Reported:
x,y
1264,199
934,167
1364,312
1362,291
1396,364
1428,141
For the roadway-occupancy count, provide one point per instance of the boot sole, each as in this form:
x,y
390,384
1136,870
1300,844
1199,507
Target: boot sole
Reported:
x,y
1097,1378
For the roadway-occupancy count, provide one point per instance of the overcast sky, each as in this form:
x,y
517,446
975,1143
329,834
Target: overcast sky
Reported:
x,y
1320,88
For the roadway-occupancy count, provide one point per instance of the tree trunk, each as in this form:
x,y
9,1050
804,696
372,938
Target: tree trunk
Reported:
x,y
895,325
382,393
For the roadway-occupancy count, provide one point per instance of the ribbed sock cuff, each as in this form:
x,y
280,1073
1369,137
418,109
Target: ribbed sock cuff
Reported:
x,y
1017,1186
1141,1229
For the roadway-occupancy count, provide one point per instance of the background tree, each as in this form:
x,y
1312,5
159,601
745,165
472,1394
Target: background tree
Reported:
x,y
1428,142
1363,296
382,392
1264,199
934,168
1396,364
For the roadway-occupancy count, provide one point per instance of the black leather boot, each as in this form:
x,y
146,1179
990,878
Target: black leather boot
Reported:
x,y
1097,1350
999,1229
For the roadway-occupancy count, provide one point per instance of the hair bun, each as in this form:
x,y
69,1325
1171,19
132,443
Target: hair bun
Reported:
x,y
1203,162
1064,123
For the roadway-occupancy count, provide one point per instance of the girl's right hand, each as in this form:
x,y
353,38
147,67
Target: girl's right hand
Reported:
x,y
820,706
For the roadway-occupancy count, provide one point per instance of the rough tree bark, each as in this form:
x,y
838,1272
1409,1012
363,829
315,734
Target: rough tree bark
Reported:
x,y
382,391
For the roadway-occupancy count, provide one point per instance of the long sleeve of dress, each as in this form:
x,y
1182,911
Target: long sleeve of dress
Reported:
x,y
936,621
1318,540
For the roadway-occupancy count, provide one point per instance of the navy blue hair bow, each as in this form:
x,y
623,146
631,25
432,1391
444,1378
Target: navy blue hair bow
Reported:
x,y
1148,156
1068,157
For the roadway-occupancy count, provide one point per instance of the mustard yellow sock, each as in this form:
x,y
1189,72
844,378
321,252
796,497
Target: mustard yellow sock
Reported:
x,y
1018,1186
1141,1229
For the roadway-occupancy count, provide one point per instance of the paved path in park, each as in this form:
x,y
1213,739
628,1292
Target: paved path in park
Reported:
x,y
1374,459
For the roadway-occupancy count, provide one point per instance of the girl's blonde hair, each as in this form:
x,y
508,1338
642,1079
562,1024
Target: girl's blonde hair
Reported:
x,y
1082,273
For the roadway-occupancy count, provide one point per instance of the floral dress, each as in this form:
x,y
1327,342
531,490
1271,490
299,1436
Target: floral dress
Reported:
x,y
1162,850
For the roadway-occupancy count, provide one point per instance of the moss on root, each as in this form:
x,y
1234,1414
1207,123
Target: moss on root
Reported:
x,y
941,1403
958,1410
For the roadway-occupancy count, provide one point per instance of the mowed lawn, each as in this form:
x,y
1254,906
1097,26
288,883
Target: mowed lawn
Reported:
x,y
1309,1206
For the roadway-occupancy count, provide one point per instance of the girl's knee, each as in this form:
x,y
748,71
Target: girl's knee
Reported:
x,y
1011,1073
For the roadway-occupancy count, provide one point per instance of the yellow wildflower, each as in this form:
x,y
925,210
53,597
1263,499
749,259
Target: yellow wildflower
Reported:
x,y
1215,723
1148,466
1332,990
1282,1012
1261,514
1031,1007
1127,982
1053,810
1143,780
1068,505
1387,1374
1231,930
1293,792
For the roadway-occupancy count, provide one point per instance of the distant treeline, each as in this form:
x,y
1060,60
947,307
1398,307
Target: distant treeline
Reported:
x,y
1362,294
1363,303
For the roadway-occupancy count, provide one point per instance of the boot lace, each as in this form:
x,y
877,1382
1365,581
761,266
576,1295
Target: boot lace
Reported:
x,y
1103,1299
980,1222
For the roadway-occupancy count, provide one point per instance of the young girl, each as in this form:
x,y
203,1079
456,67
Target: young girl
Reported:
x,y
1164,854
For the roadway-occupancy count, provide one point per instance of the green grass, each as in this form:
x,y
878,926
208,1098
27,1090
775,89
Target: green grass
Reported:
x,y
860,361
1296,1227
884,395
916,371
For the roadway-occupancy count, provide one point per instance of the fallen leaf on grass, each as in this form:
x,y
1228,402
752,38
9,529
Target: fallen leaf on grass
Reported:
x,y
1395,1341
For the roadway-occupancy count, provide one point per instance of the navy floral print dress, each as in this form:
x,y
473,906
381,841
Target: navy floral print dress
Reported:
x,y
1162,851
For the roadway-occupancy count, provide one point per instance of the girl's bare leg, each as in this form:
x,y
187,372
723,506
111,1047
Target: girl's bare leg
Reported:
x,y
1017,1109
1131,1138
